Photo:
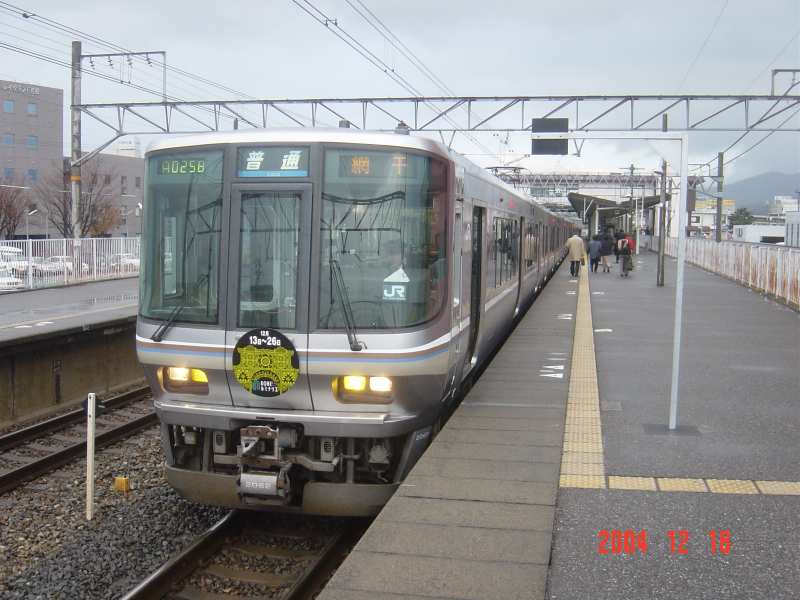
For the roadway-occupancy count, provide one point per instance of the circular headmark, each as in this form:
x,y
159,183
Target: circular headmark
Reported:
x,y
265,362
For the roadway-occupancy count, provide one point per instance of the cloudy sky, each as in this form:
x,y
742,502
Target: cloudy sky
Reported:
x,y
273,49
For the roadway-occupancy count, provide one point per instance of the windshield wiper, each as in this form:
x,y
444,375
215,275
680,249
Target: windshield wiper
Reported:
x,y
347,309
165,325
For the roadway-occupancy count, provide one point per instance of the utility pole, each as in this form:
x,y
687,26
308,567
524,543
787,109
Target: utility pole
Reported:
x,y
720,166
75,140
662,216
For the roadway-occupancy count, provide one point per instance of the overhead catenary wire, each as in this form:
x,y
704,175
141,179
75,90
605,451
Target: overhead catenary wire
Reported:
x,y
753,146
703,45
333,26
104,44
783,49
780,53
375,22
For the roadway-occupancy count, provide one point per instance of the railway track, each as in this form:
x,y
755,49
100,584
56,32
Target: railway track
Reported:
x,y
250,555
38,449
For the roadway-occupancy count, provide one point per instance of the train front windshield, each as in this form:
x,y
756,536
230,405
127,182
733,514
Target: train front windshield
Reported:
x,y
382,239
181,245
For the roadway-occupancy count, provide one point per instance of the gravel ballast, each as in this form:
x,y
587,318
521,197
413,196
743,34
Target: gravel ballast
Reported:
x,y
48,550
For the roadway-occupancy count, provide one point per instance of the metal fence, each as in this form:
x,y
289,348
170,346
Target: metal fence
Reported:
x,y
28,264
770,269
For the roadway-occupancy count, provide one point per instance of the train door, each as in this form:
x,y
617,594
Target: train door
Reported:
x,y
520,244
475,287
267,315
458,345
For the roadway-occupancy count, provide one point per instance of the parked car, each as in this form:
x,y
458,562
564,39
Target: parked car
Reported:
x,y
124,262
7,280
58,265
14,258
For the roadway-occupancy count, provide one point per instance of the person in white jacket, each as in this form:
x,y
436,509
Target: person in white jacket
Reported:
x,y
576,253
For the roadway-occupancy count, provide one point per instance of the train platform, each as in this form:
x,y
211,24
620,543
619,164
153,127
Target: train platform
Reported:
x,y
49,311
474,519
557,477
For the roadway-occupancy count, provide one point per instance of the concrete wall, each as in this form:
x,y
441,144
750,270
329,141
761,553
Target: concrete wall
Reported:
x,y
37,375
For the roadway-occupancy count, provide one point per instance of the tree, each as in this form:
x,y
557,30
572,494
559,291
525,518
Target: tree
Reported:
x,y
13,203
97,213
742,216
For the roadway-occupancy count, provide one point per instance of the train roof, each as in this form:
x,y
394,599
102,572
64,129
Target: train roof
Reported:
x,y
300,135
340,135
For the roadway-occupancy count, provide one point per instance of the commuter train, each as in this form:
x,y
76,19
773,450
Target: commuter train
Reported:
x,y
311,302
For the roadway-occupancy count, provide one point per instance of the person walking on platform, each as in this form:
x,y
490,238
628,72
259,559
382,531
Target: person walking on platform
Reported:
x,y
576,253
617,237
631,242
594,253
606,248
624,251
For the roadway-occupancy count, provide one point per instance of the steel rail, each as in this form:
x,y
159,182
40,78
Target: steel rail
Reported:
x,y
183,564
26,434
179,567
15,477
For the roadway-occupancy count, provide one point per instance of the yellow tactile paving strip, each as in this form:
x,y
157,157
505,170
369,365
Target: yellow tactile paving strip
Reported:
x,y
582,454
582,458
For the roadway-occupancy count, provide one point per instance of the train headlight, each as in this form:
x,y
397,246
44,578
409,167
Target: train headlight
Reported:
x,y
184,380
354,383
178,374
380,384
361,389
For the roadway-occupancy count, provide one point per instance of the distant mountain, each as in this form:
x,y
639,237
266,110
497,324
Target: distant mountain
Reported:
x,y
755,192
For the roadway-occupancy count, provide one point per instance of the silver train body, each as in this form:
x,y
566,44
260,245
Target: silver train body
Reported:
x,y
427,304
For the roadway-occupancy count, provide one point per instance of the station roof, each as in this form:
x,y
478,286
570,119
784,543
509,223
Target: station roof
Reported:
x,y
611,209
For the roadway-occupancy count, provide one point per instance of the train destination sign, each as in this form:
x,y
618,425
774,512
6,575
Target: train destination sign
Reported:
x,y
180,166
186,167
273,161
376,164
265,362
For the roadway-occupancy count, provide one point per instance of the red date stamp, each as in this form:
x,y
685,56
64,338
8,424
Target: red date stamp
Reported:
x,y
629,541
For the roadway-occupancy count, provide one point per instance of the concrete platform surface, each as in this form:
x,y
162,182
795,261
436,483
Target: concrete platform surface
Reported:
x,y
731,467
50,311
474,518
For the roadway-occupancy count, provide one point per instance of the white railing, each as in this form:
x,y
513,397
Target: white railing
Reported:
x,y
28,264
773,270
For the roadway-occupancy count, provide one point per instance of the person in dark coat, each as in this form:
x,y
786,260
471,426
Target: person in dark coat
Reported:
x,y
624,245
606,248
594,253
617,237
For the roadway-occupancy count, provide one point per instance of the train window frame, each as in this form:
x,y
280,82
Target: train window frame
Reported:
x,y
447,196
222,251
505,234
297,197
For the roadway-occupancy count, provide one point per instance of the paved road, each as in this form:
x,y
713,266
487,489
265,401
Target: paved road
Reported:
x,y
739,390
23,314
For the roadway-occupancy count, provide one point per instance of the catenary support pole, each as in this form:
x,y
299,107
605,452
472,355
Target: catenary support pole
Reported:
x,y
676,334
720,167
90,421
662,216
75,140
662,226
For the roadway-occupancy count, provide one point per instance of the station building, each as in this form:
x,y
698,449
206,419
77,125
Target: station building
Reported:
x,y
31,131
32,157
